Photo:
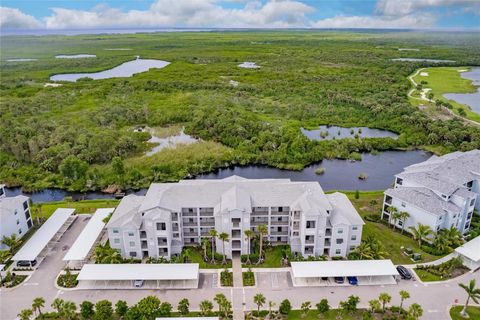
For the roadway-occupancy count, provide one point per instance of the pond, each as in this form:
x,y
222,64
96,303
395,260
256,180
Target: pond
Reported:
x,y
422,60
249,65
339,175
470,99
75,56
21,60
335,132
124,70
169,142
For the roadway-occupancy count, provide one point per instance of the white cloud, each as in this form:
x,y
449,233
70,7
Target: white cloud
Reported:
x,y
405,7
11,18
185,13
407,21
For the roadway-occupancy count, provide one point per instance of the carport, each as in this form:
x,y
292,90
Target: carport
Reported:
x,y
154,276
82,247
470,253
51,231
368,272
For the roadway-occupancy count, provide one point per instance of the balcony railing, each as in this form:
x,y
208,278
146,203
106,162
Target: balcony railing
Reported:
x,y
279,233
279,222
311,241
328,233
190,224
190,234
258,222
279,213
189,214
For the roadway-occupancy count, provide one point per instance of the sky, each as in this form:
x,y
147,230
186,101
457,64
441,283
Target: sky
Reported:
x,y
90,14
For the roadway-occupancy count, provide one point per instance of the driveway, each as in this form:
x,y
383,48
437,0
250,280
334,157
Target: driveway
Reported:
x,y
435,298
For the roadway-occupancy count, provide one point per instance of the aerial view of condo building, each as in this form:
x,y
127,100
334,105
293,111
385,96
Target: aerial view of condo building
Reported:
x,y
240,160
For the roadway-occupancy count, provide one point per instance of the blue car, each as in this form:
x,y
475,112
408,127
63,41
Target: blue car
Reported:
x,y
353,281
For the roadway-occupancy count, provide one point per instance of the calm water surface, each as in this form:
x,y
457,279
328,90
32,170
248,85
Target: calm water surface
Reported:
x,y
124,70
335,132
422,60
75,56
470,99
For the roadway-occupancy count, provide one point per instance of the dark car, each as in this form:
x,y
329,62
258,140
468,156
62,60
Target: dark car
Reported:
x,y
324,278
353,281
404,273
26,263
339,280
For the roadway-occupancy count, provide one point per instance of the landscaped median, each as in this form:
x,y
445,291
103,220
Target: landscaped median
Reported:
x,y
444,271
473,312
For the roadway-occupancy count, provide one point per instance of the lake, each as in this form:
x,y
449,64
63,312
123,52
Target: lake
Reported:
x,y
124,70
21,60
339,175
422,60
470,99
335,132
75,56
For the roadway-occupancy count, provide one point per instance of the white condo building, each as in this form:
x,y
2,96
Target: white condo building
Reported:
x,y
441,192
15,216
173,215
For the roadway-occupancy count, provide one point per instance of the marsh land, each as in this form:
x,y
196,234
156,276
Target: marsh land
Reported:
x,y
80,136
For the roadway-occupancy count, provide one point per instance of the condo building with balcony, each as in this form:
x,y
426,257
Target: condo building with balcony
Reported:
x,y
441,192
173,215
15,218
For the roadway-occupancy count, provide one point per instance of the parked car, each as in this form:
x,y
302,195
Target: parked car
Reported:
x,y
404,273
324,278
339,280
26,263
353,281
137,283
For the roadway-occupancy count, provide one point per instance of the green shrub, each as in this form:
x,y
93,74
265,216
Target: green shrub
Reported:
x,y
226,278
285,307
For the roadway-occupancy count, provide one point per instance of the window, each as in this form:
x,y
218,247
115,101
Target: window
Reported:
x,y
116,241
467,226
403,204
133,254
19,231
440,218
27,214
161,226
15,212
469,215
339,241
311,224
115,230
400,223
340,231
472,202
25,205
18,222
399,181
355,228
338,251
354,238
132,243
130,234
29,224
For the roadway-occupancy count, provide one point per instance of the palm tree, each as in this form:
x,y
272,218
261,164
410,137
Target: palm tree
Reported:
x,y
259,300
396,216
453,236
384,299
249,234
220,300
404,215
472,293
5,255
305,308
205,242
206,307
262,229
415,311
69,310
441,242
403,296
421,232
392,211
213,235
271,305
374,305
25,314
187,254
57,304
37,305
11,242
224,237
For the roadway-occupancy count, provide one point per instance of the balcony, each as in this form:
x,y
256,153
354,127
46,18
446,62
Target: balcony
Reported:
x,y
279,233
144,245
190,234
258,222
279,213
143,234
279,222
236,245
236,234
206,212
259,213
327,243
328,232
296,215
189,214
162,244
207,223
190,224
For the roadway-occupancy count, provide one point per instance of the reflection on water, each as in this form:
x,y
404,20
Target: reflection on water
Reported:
x,y
470,99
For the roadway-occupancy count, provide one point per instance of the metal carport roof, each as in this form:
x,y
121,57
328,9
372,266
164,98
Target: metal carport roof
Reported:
x,y
42,237
471,249
82,245
357,268
140,271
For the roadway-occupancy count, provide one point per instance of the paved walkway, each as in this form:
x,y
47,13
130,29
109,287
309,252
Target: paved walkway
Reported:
x,y
238,293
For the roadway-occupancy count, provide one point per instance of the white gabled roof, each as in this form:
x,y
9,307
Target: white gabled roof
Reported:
x,y
82,245
2,266
142,271
471,249
42,237
353,268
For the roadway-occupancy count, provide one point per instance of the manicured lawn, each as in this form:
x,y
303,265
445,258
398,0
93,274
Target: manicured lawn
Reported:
x,y
45,210
273,258
473,312
226,278
248,278
330,315
392,240
448,80
196,256
426,276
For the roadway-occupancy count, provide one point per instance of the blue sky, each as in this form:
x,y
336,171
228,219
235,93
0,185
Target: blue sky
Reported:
x,y
61,14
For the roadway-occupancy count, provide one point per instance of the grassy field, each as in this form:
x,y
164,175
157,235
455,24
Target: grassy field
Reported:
x,y
426,276
444,80
392,240
473,312
196,256
45,210
79,136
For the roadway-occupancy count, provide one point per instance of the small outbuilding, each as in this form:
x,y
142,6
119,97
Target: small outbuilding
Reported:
x,y
139,276
470,253
323,273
